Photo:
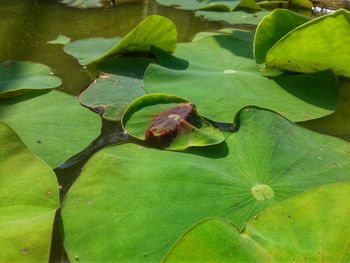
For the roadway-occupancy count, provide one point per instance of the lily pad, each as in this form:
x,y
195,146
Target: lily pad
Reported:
x,y
219,75
245,35
272,28
236,17
143,199
113,91
18,77
320,44
53,125
83,4
224,5
314,225
170,121
153,32
61,39
28,202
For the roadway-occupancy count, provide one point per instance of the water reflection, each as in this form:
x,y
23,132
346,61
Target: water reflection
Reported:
x,y
27,25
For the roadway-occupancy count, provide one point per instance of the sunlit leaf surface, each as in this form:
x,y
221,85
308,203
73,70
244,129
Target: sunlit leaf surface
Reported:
x,y
53,125
313,227
28,202
320,44
219,75
143,199
272,28
153,32
18,77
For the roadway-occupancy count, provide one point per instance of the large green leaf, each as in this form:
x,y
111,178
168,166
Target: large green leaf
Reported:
x,y
17,77
53,125
224,5
272,28
87,3
320,44
137,201
219,75
153,32
28,202
169,121
337,123
236,17
312,227
112,92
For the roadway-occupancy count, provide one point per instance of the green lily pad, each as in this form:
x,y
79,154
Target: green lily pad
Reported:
x,y
219,75
28,202
224,5
272,28
335,124
143,199
18,77
236,17
314,225
113,91
170,121
53,125
61,39
83,4
153,32
320,44
242,34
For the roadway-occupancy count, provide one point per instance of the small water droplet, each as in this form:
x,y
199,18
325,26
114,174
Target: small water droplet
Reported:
x,y
25,251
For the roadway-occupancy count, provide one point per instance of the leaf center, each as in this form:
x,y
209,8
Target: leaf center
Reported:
x,y
262,192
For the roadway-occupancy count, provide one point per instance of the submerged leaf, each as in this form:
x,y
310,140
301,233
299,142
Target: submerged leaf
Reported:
x,y
272,28
153,32
143,199
219,75
28,202
171,122
53,125
18,77
314,225
320,44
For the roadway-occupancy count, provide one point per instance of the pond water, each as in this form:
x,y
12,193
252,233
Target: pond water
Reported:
x,y
26,26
